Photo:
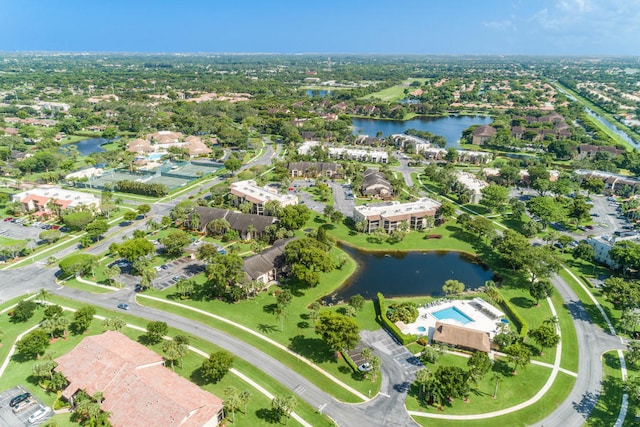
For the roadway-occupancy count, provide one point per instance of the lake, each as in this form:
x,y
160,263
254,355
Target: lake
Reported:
x,y
450,127
321,93
91,145
398,274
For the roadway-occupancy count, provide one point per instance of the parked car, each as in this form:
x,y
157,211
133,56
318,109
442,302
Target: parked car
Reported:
x,y
23,405
39,414
365,367
19,398
123,306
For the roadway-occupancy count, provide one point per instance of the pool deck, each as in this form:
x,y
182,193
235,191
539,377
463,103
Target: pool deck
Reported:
x,y
481,320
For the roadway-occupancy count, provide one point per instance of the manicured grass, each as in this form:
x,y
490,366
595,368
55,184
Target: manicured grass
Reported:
x,y
7,241
513,390
297,334
524,417
608,406
19,370
74,283
393,93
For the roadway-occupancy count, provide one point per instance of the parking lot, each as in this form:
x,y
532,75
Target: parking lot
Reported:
x,y
15,231
20,419
168,274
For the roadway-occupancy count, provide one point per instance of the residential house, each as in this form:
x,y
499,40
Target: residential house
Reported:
x,y
312,169
267,266
137,389
588,151
248,226
40,199
249,191
612,181
375,184
165,137
461,337
391,215
140,146
359,154
482,134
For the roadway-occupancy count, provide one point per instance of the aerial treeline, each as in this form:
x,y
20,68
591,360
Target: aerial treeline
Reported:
x,y
142,188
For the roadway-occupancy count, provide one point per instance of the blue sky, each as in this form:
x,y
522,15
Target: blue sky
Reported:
x,y
557,27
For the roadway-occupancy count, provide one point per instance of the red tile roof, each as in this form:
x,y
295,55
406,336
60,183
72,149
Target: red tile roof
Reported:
x,y
138,390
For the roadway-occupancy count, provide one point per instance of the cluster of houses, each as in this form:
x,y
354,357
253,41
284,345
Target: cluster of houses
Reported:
x,y
560,129
391,216
358,154
612,181
160,142
421,146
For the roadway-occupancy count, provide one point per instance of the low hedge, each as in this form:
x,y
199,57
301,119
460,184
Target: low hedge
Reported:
x,y
349,361
521,324
382,307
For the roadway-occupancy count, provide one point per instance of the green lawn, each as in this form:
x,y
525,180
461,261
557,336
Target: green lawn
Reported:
x,y
514,389
394,93
524,417
608,406
74,283
295,331
19,370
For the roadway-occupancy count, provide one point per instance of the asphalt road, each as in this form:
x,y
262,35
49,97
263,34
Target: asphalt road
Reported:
x,y
592,342
387,409
339,202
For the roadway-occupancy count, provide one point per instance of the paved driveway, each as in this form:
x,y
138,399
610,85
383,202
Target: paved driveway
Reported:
x,y
340,203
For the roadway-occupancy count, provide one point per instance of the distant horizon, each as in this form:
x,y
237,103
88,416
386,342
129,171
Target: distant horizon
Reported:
x,y
456,27
337,54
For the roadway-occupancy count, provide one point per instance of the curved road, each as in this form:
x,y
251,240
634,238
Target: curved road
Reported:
x,y
388,407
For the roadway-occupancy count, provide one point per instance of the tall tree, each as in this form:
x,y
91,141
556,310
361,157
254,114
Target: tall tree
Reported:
x,y
338,331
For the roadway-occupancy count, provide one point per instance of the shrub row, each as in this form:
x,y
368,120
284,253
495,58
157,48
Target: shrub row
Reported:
x,y
349,361
143,188
515,316
382,307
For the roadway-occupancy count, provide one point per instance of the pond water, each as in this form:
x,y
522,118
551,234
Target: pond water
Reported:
x,y
613,128
321,93
450,127
400,274
91,145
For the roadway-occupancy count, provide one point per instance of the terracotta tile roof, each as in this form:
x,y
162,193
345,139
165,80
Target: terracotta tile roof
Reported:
x,y
138,390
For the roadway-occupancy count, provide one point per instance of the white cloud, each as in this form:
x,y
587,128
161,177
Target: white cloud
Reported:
x,y
505,25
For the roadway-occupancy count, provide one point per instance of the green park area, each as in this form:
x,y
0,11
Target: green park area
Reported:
x,y
394,93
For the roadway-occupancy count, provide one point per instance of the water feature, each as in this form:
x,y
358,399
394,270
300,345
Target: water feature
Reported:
x,y
91,145
454,314
410,273
450,127
321,93
609,125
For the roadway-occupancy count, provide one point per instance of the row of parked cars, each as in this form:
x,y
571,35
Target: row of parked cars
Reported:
x,y
25,222
25,400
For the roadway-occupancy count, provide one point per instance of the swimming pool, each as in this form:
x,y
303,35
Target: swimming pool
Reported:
x,y
155,156
454,314
421,329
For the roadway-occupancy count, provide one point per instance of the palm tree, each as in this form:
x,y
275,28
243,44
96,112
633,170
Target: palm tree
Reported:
x,y
498,378
423,376
244,396
43,294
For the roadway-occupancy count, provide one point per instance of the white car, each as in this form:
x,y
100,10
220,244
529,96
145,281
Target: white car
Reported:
x,y
39,414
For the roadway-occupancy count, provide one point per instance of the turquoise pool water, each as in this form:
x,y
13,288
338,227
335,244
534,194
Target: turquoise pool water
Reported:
x,y
421,329
155,156
452,313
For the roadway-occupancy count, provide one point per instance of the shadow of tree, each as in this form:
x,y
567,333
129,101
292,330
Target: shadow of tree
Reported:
x,y
522,302
270,416
267,329
303,325
270,308
586,404
313,349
